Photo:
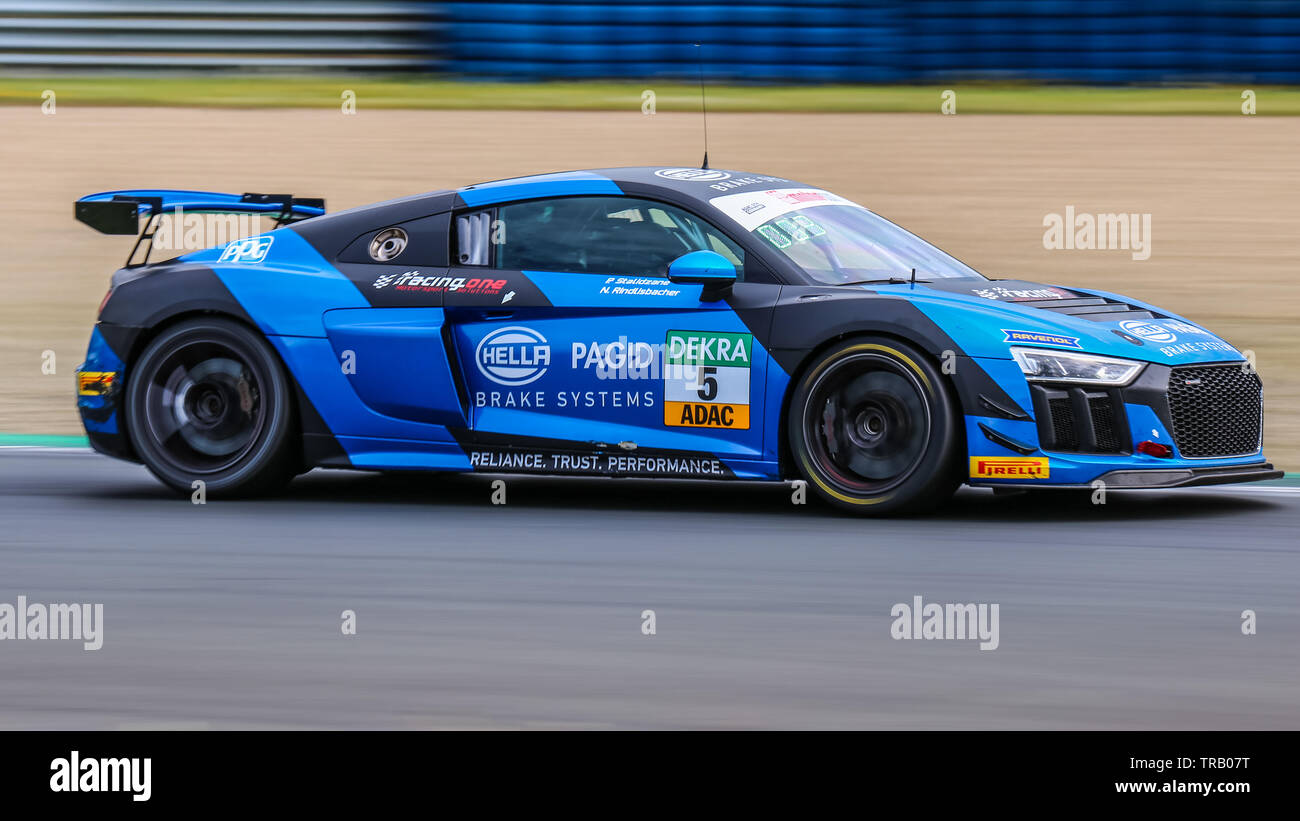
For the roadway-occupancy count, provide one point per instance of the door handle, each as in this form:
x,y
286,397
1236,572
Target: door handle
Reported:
x,y
498,314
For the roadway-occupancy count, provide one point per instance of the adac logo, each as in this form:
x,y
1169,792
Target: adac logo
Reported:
x,y
251,250
1008,467
692,174
513,356
1039,338
1149,331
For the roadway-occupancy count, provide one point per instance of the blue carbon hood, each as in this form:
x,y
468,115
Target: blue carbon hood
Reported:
x,y
986,318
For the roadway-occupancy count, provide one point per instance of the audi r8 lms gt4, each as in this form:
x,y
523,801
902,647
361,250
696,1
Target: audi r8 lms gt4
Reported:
x,y
650,322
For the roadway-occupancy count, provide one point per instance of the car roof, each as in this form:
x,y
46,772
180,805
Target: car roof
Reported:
x,y
693,187
696,184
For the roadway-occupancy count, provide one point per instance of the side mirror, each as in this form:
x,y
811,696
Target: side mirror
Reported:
x,y
713,270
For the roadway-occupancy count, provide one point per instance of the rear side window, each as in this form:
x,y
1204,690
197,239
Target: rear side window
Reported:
x,y
594,235
472,238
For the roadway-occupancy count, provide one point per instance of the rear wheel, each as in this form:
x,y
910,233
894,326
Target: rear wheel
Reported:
x,y
873,429
208,401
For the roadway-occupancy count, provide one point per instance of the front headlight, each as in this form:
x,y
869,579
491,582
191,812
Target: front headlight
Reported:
x,y
1044,365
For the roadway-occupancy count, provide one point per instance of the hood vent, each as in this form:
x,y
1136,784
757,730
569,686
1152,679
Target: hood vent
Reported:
x,y
1096,308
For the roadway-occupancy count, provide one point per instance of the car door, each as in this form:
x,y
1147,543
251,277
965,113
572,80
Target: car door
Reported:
x,y
583,344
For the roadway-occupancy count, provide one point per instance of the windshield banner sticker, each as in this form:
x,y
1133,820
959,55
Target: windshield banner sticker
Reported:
x,y
753,208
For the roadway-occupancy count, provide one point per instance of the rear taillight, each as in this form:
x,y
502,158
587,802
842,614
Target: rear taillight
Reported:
x,y
104,301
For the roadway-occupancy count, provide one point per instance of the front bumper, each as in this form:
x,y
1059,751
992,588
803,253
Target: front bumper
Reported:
x,y
1074,435
1156,478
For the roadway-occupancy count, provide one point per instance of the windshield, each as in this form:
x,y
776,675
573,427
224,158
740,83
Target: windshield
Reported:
x,y
837,241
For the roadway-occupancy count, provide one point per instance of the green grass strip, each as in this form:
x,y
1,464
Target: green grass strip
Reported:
x,y
43,440
326,92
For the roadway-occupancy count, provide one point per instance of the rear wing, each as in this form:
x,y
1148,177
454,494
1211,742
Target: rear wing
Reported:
x,y
119,212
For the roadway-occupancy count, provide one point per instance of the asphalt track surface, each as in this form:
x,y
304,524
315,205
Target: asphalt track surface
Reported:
x,y
528,615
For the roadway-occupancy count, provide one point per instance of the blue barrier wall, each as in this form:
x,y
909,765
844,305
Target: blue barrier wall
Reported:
x,y
1102,41
937,41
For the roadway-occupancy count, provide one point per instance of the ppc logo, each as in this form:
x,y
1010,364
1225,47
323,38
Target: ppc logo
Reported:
x,y
1149,331
513,356
251,250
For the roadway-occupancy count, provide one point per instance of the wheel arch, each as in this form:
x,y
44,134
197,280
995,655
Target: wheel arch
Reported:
x,y
785,455
301,415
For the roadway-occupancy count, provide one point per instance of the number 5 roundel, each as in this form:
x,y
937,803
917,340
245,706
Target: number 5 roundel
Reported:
x,y
706,379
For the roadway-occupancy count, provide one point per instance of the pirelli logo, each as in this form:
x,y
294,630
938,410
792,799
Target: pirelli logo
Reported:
x,y
95,383
706,379
1008,467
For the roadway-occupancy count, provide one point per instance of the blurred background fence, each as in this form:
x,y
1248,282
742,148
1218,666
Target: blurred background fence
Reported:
x,y
276,35
1102,41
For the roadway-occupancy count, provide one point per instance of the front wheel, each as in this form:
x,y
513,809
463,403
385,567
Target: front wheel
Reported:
x,y
873,428
208,401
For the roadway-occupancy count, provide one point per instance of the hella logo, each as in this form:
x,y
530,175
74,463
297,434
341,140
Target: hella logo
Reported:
x,y
1149,331
513,356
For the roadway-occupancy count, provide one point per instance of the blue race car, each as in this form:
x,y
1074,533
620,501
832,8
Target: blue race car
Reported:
x,y
652,322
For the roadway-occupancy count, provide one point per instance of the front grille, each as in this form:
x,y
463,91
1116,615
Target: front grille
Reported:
x,y
1217,410
1077,419
1102,411
1064,436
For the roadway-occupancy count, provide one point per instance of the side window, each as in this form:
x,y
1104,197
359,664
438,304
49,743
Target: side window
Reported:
x,y
599,235
472,238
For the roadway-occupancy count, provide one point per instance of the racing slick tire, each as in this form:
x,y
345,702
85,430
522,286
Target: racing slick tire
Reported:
x,y
873,428
207,400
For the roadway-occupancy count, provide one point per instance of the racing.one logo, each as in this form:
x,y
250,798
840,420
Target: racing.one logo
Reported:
x,y
251,250
513,356
692,174
1149,331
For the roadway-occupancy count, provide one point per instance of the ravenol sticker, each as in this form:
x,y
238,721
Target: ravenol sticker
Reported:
x,y
1040,338
251,250
706,379
513,356
1008,467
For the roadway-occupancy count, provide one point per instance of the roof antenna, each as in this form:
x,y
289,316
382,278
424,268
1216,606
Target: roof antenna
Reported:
x,y
913,276
704,108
